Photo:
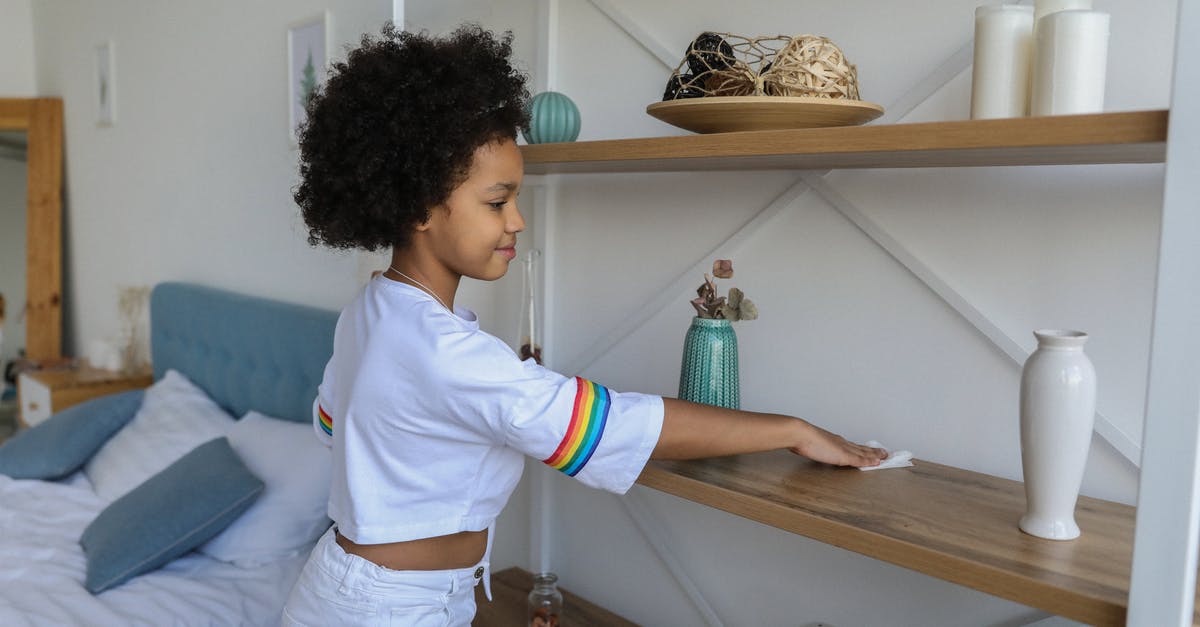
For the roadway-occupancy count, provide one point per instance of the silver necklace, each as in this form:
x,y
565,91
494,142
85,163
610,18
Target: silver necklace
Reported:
x,y
422,286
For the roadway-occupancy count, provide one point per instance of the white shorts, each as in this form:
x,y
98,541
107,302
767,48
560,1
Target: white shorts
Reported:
x,y
337,588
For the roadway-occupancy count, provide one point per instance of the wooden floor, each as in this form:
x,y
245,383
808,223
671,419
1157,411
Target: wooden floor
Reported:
x,y
507,608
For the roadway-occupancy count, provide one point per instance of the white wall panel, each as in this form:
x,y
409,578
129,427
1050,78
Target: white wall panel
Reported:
x,y
17,76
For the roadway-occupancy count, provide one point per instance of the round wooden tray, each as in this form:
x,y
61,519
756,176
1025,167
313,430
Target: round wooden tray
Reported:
x,y
723,114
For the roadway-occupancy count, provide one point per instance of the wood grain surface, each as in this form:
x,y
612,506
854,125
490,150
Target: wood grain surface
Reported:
x,y
954,524
1125,137
723,114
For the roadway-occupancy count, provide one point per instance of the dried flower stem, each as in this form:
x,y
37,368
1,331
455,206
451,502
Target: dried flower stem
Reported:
x,y
734,307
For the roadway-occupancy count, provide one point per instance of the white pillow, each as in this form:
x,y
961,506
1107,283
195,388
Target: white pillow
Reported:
x,y
175,417
290,515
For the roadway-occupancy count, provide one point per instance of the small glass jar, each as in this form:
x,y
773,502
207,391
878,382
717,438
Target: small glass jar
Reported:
x,y
545,601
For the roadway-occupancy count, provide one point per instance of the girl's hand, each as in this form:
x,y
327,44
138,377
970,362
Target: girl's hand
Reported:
x,y
693,430
822,446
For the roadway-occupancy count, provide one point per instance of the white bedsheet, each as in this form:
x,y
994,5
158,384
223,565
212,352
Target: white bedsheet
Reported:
x,y
42,570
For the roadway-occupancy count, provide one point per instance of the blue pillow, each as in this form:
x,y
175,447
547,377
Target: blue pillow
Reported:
x,y
173,512
65,441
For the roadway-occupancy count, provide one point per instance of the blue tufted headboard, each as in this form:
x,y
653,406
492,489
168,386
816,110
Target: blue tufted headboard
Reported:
x,y
246,352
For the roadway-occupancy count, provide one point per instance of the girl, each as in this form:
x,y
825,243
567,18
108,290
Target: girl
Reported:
x,y
411,145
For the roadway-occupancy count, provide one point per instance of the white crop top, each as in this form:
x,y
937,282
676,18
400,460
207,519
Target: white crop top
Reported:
x,y
430,419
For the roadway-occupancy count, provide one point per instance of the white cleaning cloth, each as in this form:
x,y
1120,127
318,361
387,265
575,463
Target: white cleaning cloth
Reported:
x,y
895,459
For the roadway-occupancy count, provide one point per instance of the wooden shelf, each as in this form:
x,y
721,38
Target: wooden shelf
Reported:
x,y
511,587
954,524
1125,137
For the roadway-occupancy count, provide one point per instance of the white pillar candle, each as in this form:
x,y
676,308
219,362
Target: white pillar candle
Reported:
x,y
1042,8
1072,59
1000,75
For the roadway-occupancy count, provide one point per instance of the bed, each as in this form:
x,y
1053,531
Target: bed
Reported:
x,y
251,357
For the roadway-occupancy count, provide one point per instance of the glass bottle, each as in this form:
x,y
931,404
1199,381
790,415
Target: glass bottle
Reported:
x,y
545,601
529,330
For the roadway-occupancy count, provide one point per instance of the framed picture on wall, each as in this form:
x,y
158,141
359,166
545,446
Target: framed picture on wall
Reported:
x,y
106,92
308,59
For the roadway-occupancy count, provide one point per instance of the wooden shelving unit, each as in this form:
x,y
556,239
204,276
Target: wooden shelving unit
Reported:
x,y
953,524
1126,137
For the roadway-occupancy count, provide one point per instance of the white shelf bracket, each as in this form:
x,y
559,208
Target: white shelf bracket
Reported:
x,y
542,497
546,78
668,295
1118,439
1163,587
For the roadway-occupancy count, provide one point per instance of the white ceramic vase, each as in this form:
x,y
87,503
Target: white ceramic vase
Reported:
x,y
1058,408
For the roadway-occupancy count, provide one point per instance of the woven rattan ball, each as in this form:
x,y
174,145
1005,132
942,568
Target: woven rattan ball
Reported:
x,y
811,65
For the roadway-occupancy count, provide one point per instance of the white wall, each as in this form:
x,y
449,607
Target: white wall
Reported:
x,y
16,48
193,184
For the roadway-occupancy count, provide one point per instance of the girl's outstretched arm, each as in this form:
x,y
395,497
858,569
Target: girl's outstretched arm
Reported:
x,y
692,430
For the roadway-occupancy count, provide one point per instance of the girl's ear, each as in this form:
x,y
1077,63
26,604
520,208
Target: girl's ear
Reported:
x,y
423,225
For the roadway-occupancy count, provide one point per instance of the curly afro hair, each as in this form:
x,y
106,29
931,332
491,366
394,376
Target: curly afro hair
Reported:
x,y
394,130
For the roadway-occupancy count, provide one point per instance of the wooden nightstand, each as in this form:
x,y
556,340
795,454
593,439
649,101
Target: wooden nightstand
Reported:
x,y
41,393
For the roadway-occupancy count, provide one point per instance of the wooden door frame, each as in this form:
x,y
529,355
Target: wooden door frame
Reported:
x,y
42,121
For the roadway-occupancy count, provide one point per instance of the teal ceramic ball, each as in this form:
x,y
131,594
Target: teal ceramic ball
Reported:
x,y
552,118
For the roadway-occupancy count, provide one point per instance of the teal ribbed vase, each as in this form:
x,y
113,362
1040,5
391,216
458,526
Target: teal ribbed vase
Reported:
x,y
552,118
709,373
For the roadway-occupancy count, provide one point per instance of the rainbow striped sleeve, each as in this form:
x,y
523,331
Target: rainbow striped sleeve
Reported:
x,y
326,420
588,417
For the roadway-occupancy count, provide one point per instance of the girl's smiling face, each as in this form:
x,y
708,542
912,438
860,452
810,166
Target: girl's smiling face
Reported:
x,y
474,233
